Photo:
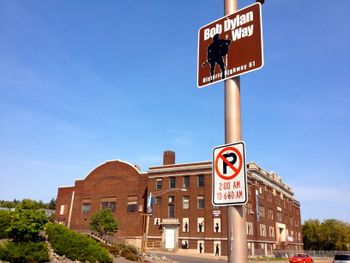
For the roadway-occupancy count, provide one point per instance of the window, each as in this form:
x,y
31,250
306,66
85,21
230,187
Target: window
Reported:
x,y
132,204
261,211
262,230
185,224
157,200
171,210
109,205
269,196
200,201
271,231
85,208
261,192
217,225
270,214
186,183
171,199
61,210
200,224
249,208
172,182
278,202
200,180
186,202
159,184
279,217
249,228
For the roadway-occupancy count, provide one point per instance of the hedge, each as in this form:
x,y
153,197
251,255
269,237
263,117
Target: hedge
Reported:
x,y
24,252
75,246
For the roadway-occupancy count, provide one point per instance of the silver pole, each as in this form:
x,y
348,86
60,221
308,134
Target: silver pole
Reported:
x,y
236,219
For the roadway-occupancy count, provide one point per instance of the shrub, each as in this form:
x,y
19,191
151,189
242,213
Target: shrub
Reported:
x,y
127,251
112,250
24,252
5,220
75,246
26,225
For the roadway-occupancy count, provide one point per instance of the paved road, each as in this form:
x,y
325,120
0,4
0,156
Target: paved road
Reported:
x,y
211,259
179,258
191,259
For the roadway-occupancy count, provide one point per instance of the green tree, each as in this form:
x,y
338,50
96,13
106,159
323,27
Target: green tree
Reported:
x,y
7,204
28,204
5,220
334,234
311,234
26,225
52,204
103,222
331,234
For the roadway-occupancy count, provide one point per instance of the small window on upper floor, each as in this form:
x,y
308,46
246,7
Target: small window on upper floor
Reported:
x,y
200,180
186,183
172,182
200,202
159,184
186,202
171,199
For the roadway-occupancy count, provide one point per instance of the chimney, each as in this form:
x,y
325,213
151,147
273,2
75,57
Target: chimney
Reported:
x,y
168,157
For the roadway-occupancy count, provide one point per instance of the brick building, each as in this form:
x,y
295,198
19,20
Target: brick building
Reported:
x,y
183,216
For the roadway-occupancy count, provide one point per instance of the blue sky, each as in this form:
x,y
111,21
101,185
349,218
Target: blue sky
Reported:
x,y
83,82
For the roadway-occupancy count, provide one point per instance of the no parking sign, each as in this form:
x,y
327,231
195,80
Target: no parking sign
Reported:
x,y
229,175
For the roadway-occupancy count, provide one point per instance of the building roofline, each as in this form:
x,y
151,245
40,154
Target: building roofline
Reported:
x,y
110,161
66,186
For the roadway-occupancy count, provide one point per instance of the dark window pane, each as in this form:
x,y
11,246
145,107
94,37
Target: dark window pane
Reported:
x,y
200,200
159,184
186,182
171,211
200,180
172,182
132,207
109,205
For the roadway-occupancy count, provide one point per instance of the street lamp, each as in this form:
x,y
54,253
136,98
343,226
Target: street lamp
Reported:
x,y
149,210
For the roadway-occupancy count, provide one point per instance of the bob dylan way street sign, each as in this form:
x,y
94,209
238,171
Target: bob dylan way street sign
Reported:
x,y
230,46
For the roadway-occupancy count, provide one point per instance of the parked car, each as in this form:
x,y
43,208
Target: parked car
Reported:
x,y
301,258
341,258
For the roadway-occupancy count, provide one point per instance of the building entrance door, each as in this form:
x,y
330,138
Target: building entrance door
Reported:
x,y
170,238
170,233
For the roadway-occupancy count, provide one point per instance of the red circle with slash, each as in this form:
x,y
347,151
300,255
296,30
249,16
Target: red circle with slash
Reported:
x,y
235,169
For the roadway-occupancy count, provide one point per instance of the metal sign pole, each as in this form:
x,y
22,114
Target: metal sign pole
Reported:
x,y
236,219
